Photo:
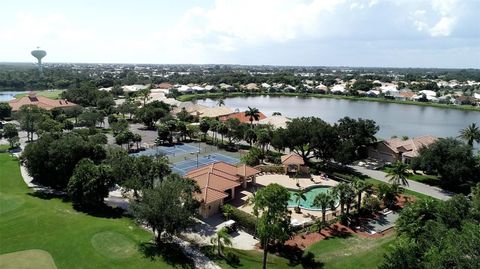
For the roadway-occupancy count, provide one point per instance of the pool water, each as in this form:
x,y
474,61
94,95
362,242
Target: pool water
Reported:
x,y
310,194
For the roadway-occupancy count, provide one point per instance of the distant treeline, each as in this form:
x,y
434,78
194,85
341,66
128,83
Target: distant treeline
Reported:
x,y
65,76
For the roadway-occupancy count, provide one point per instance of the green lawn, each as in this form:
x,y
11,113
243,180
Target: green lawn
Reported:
x,y
351,252
72,238
409,192
4,147
53,94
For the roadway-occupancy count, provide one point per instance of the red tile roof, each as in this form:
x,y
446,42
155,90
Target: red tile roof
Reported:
x,y
241,116
292,158
410,146
216,178
43,102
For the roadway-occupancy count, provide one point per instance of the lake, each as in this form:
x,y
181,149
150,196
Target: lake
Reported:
x,y
7,96
393,119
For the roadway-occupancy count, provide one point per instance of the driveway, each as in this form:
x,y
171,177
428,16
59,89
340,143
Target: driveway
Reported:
x,y
204,230
434,192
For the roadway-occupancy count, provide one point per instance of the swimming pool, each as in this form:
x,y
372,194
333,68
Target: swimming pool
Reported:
x,y
310,194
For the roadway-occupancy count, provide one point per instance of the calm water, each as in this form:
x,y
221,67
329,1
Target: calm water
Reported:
x,y
393,119
7,96
310,196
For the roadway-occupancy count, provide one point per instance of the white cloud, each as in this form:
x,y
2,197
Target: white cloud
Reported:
x,y
441,19
443,27
236,23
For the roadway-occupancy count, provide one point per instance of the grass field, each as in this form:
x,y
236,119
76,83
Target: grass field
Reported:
x,y
408,192
27,259
53,94
334,253
74,239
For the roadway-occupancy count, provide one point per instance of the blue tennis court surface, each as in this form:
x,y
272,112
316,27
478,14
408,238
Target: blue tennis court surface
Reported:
x,y
183,167
169,151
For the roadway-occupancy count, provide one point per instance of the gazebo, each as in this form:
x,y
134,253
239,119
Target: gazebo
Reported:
x,y
292,162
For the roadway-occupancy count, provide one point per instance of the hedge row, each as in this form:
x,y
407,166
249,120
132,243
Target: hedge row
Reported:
x,y
278,169
243,219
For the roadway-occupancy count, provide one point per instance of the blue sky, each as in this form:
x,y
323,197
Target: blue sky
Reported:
x,y
395,33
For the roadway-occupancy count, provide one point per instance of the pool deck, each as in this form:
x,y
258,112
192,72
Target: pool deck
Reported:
x,y
290,183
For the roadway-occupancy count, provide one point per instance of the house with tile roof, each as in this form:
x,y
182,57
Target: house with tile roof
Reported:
x,y
41,101
241,117
218,183
397,149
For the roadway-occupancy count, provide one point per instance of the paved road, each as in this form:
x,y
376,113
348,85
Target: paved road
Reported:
x,y
412,185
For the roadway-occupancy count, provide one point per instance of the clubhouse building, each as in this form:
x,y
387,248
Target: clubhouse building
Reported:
x,y
40,101
219,182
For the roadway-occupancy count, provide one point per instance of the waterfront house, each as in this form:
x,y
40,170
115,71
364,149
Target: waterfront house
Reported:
x,y
397,149
241,117
277,121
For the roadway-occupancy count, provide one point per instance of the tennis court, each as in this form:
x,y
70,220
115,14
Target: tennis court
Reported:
x,y
183,167
175,150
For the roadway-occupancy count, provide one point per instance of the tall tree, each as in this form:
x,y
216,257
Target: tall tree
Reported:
x,y
324,201
270,204
221,239
389,193
10,132
250,136
29,117
263,138
253,114
5,110
90,183
299,196
169,207
470,134
342,192
204,127
222,130
398,173
452,160
360,186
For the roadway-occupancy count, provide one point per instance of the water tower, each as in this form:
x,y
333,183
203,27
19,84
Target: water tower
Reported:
x,y
39,54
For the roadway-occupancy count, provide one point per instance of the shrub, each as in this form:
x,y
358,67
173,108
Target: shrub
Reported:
x,y
371,204
232,259
278,169
243,219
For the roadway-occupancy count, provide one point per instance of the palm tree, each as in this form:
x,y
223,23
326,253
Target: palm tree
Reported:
x,y
221,240
221,102
342,192
389,193
360,186
398,174
470,133
250,136
324,201
253,114
299,196
222,129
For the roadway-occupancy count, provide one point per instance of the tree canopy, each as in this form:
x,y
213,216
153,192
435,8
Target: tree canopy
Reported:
x,y
169,207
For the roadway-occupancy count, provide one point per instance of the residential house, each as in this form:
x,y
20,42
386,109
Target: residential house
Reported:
x,y
397,149
277,121
240,116
218,183
338,88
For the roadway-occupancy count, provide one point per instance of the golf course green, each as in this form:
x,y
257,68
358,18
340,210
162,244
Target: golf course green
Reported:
x,y
44,232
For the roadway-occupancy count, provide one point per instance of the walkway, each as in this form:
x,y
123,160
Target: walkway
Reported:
x,y
434,192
